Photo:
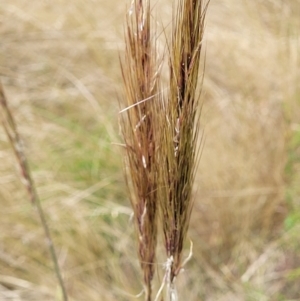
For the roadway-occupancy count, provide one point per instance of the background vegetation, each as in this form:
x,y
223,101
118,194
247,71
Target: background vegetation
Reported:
x,y
60,67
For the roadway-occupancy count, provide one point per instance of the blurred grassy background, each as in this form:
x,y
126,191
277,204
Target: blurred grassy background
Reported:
x,y
59,63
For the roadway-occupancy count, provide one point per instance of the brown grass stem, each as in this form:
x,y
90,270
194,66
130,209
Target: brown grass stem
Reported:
x,y
12,133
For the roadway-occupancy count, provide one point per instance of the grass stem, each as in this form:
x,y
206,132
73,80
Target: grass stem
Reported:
x,y
12,133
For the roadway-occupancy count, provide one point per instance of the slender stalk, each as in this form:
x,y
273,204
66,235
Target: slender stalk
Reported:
x,y
11,130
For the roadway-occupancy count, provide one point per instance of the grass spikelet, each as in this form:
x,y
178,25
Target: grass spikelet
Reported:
x,y
179,148
141,81
161,133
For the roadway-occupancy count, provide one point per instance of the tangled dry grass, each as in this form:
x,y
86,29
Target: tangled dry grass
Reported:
x,y
60,68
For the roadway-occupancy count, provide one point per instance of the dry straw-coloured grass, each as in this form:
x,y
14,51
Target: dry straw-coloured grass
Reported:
x,y
250,113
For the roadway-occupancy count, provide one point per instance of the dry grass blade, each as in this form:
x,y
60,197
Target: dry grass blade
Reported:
x,y
181,129
10,128
141,81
